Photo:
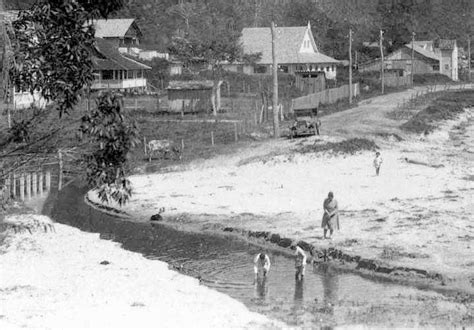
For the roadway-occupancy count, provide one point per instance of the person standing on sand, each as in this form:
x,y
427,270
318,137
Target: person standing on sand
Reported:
x,y
331,215
300,262
261,265
377,162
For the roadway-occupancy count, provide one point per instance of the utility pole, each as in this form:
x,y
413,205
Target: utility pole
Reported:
x,y
412,56
382,69
469,57
350,66
276,123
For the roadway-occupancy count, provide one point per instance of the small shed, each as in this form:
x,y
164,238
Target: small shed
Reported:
x,y
191,96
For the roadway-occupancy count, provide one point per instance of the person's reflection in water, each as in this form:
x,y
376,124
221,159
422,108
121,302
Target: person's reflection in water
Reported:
x,y
261,288
298,292
330,283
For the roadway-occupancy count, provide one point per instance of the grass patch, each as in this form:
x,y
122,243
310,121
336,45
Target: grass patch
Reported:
x,y
350,146
445,107
431,79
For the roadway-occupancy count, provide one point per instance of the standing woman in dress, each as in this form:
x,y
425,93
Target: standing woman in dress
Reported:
x,y
331,215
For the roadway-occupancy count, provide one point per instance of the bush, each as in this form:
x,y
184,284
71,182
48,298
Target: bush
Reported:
x,y
350,146
448,106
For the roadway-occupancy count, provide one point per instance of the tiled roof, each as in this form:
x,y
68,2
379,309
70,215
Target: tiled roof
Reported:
x,y
288,44
422,51
111,59
110,28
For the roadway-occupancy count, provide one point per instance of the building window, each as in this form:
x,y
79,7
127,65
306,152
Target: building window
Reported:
x,y
436,67
327,69
260,69
108,74
283,68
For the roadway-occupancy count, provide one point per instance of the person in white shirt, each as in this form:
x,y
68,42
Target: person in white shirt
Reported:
x,y
261,265
377,162
300,262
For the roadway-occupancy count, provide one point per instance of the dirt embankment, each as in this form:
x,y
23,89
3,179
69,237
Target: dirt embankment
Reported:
x,y
446,107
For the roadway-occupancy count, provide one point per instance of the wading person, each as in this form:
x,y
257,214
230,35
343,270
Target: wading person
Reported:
x,y
331,215
377,162
300,262
261,265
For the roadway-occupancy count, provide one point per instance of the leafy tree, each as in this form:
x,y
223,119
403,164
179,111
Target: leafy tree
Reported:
x,y
52,54
209,40
114,137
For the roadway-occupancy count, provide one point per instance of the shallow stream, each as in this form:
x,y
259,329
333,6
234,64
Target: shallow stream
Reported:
x,y
325,298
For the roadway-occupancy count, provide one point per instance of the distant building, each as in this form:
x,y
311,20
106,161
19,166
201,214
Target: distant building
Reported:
x,y
448,58
115,71
192,96
296,52
429,57
122,32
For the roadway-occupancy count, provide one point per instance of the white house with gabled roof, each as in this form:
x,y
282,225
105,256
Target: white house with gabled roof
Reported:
x,y
296,52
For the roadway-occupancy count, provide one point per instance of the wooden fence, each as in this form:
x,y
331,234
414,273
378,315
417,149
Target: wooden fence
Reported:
x,y
38,175
327,96
310,85
394,81
25,185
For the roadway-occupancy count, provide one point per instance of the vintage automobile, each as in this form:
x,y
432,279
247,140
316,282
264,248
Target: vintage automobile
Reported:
x,y
306,123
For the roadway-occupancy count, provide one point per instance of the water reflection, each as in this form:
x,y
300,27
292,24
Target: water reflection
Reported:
x,y
261,288
299,289
226,264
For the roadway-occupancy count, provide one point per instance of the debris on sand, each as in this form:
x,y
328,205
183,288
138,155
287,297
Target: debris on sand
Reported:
x,y
350,146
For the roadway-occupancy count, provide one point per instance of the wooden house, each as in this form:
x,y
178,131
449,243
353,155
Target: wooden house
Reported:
x,y
296,52
122,32
191,96
115,71
428,57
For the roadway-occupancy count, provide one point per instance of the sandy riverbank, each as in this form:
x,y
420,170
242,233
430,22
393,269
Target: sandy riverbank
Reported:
x,y
69,278
417,213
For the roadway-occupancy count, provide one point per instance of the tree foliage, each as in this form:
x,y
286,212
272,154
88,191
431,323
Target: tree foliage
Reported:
x,y
52,43
330,19
114,137
52,48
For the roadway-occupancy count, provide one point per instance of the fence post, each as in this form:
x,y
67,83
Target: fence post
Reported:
x,y
22,187
144,144
48,180
182,145
212,138
40,184
28,185
15,176
236,134
60,179
8,186
34,183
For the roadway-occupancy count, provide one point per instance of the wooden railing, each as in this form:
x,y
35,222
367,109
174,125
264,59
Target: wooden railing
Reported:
x,y
327,96
26,185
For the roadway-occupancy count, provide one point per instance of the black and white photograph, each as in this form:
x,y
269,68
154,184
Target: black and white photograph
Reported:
x,y
249,164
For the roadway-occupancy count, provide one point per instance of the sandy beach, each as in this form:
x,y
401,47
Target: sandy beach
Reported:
x,y
417,213
71,279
